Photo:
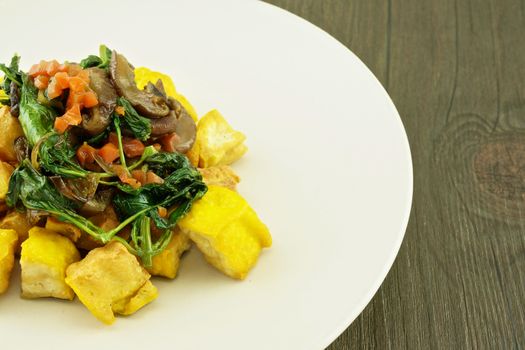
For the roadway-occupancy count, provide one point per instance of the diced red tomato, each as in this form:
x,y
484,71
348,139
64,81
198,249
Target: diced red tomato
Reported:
x,y
72,117
132,147
41,82
86,154
109,153
169,141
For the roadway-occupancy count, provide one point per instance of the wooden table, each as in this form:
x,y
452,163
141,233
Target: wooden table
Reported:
x,y
455,69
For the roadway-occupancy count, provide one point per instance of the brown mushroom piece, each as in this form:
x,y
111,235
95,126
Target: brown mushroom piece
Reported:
x,y
146,103
178,122
99,117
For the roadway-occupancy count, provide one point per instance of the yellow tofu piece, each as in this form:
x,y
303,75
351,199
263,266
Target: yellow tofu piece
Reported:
x,y
219,143
227,231
145,295
65,229
8,240
110,280
221,175
44,260
11,130
17,221
166,264
5,173
145,75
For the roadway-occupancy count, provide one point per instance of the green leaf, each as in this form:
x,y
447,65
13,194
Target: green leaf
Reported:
x,y
101,61
57,156
36,119
137,124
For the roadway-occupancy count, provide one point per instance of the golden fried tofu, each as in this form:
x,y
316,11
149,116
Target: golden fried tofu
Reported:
x,y
44,260
8,240
166,264
227,231
5,173
221,175
65,229
110,280
218,142
17,221
11,130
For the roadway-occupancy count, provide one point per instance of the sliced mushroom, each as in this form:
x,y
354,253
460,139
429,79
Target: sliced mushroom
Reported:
x,y
157,90
164,125
178,122
99,117
146,103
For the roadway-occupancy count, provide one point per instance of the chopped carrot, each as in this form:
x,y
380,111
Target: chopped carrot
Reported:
x,y
38,69
62,79
139,175
52,67
83,75
152,178
73,69
90,99
124,177
163,212
169,142
72,117
76,84
63,68
86,154
41,82
157,146
53,89
120,110
109,153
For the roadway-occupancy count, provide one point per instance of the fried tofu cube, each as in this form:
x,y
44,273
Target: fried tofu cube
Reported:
x,y
218,142
110,280
221,175
11,130
17,221
65,229
227,231
166,264
8,240
44,260
5,173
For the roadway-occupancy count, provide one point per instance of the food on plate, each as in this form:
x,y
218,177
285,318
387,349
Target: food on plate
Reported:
x,y
44,259
11,130
221,175
227,231
110,280
17,221
108,176
5,173
166,264
8,240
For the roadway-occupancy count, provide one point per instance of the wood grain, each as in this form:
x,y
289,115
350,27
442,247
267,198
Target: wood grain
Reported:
x,y
455,70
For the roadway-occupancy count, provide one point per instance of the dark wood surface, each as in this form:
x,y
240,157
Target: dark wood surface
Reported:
x,y
455,69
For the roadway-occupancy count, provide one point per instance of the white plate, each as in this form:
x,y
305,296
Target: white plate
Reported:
x,y
329,171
